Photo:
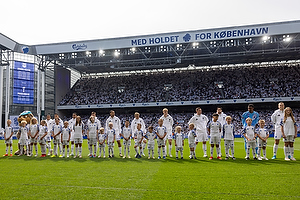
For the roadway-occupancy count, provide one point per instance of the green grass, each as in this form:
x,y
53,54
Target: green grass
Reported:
x,y
118,178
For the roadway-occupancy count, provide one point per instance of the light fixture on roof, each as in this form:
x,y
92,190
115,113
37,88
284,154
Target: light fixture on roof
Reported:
x,y
117,53
286,38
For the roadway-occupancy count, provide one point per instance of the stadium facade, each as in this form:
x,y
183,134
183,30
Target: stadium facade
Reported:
x,y
40,75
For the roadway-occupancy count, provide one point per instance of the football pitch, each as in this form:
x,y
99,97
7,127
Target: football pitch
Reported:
x,y
117,178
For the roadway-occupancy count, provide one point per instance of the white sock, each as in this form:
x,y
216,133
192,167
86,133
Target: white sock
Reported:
x,y
164,151
63,151
258,151
232,151
181,153
152,152
72,148
76,150
21,148
36,149
95,149
136,150
124,150
292,152
191,153
80,150
253,152
211,151
143,147
176,154
226,150
275,148
158,151
120,150
103,151
264,152
55,149
11,149
128,149
248,152
91,150
204,149
68,150
6,149
218,151
170,149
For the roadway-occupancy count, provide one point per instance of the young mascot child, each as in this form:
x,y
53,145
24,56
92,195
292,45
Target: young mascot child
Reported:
x,y
179,141
101,141
250,135
8,133
33,135
263,135
214,130
138,137
126,134
150,136
42,137
192,141
228,135
161,132
111,136
65,138
23,137
92,134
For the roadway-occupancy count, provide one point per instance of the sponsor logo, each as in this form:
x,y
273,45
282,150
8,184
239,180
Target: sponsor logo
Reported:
x,y
79,46
25,49
187,37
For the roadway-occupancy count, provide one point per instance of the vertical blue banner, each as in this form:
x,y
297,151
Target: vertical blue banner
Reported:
x,y
23,90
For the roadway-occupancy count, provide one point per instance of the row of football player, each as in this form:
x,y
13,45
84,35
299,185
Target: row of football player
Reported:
x,y
63,134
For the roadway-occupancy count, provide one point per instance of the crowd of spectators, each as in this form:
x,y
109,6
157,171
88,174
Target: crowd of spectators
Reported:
x,y
182,119
195,85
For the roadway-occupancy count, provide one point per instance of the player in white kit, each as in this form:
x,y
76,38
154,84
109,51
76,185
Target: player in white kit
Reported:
x,y
8,133
228,135
150,136
135,121
92,134
126,134
179,141
33,135
276,118
65,138
214,130
168,123
97,121
56,131
71,125
23,131
101,141
200,121
222,120
250,135
43,132
50,122
263,135
117,127
289,133
161,132
78,136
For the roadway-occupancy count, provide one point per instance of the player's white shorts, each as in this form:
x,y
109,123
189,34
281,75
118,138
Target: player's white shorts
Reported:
x,y
23,142
127,142
137,143
72,136
48,138
277,134
92,141
56,141
65,142
251,144
118,137
111,144
102,145
289,138
229,143
261,143
215,140
33,140
42,141
8,141
179,148
78,140
151,146
201,137
192,145
160,142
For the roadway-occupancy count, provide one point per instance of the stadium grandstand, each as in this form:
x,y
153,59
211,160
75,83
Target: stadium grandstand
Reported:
x,y
228,67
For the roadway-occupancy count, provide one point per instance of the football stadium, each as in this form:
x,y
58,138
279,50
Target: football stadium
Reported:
x,y
196,114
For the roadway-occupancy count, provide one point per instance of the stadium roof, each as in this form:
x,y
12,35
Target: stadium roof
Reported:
x,y
231,45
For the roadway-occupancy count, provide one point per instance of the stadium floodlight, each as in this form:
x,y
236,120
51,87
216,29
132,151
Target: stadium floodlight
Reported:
x,y
133,49
265,38
101,52
88,54
286,38
117,53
